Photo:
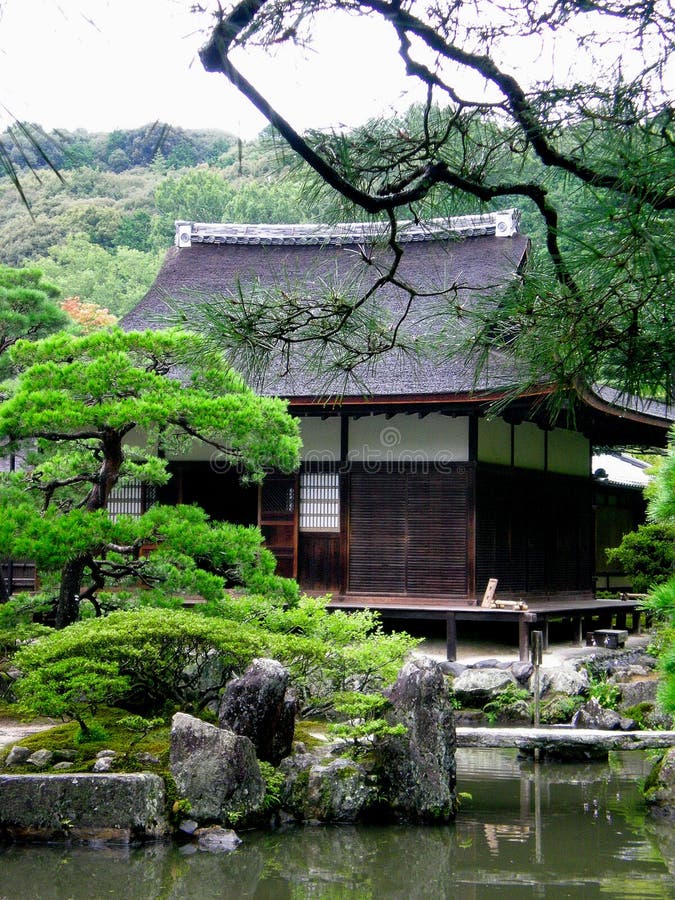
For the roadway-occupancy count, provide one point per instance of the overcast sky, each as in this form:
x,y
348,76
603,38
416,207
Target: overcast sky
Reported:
x,y
106,64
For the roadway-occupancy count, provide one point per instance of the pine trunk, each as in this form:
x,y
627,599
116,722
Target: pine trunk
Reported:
x,y
68,606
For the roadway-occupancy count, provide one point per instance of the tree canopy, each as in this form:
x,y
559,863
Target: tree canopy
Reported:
x,y
27,306
662,597
108,406
588,154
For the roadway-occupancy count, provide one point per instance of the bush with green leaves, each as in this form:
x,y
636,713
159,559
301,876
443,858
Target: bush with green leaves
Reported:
x,y
327,652
606,693
364,724
72,688
646,555
141,660
661,600
504,701
183,658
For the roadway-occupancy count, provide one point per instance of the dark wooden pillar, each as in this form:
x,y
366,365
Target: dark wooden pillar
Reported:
x,y
523,638
451,636
577,630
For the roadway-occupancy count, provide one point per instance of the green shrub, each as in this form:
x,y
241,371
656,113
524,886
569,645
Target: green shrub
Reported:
x,y
647,555
606,693
149,659
559,710
499,705
364,725
141,660
325,651
274,782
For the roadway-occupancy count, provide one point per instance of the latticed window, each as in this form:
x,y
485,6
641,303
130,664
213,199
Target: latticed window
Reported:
x,y
278,496
319,501
131,498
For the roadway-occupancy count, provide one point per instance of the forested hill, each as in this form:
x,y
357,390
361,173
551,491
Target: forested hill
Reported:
x,y
100,227
102,207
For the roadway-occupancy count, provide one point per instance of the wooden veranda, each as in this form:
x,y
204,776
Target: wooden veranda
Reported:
x,y
581,615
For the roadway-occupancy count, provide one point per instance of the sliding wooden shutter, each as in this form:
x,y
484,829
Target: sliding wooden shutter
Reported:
x,y
409,532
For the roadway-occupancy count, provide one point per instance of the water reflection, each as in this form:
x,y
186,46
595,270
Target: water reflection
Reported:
x,y
553,830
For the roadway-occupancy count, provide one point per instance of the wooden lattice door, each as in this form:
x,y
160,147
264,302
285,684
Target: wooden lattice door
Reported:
x,y
278,519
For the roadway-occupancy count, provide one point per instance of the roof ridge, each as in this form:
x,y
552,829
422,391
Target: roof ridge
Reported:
x,y
501,223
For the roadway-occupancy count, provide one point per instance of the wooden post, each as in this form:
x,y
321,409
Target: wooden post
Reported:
x,y
537,651
523,637
451,636
577,630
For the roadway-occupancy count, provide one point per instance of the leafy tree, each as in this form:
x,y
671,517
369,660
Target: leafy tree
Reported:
x,y
200,196
88,316
327,652
364,724
80,399
662,598
27,306
646,555
113,279
134,231
152,656
595,305
184,658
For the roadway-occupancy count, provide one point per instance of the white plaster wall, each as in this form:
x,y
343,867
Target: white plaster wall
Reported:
x,y
494,442
529,450
407,438
569,452
320,439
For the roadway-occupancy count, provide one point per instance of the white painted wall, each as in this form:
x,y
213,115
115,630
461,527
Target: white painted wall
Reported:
x,y
569,452
494,442
529,450
407,438
320,439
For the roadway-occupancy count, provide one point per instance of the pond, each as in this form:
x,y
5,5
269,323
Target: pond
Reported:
x,y
529,830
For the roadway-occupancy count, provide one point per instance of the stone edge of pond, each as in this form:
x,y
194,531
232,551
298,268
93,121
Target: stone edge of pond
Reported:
x,y
83,807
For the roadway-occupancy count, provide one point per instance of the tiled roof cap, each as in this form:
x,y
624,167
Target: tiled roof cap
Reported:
x,y
620,469
503,223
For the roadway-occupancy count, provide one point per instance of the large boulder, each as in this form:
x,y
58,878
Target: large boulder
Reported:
x,y
660,787
258,706
476,687
634,692
592,715
216,770
83,807
416,771
321,789
566,680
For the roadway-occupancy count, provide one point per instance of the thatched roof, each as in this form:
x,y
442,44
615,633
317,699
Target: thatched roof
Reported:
x,y
453,263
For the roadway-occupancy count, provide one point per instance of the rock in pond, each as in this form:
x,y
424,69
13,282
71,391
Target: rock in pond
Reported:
x,y
215,769
216,839
321,789
258,706
82,807
660,787
416,771
476,687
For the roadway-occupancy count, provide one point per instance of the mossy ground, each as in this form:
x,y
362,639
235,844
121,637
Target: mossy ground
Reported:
x,y
313,733
117,738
